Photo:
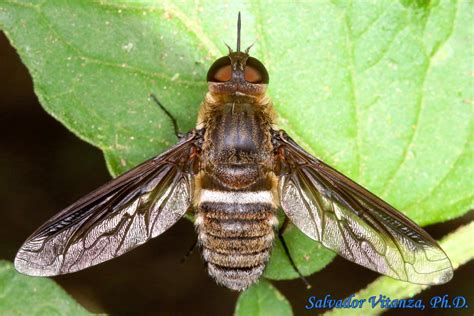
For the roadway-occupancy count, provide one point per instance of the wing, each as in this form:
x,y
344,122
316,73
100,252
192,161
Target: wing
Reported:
x,y
115,218
332,209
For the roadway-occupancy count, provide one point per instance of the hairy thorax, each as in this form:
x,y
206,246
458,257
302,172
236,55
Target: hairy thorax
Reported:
x,y
237,140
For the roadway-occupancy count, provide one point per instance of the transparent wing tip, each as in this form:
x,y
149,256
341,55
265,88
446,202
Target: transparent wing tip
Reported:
x,y
431,274
25,265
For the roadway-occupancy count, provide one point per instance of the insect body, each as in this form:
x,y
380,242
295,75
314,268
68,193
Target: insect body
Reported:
x,y
234,171
236,212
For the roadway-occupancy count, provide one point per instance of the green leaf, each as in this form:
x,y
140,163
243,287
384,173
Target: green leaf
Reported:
x,y
458,246
262,299
24,295
382,92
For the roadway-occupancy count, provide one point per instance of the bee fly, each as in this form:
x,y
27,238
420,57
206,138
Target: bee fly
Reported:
x,y
233,172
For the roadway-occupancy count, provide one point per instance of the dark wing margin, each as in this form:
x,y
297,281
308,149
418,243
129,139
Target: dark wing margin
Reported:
x,y
346,218
117,217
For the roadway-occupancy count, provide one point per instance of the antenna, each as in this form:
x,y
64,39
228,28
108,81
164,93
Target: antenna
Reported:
x,y
238,33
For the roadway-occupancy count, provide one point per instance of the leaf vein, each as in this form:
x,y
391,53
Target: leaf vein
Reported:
x,y
446,175
87,57
190,24
372,23
411,139
450,31
353,94
384,51
420,107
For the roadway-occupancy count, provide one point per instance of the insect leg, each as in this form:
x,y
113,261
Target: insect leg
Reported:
x,y
178,134
287,252
189,253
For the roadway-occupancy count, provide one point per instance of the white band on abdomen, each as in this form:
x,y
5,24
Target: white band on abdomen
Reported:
x,y
236,197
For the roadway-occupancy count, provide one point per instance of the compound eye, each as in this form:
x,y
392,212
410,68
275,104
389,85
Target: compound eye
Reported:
x,y
255,71
220,71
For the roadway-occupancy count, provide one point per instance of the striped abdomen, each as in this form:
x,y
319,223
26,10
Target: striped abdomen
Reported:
x,y
236,233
